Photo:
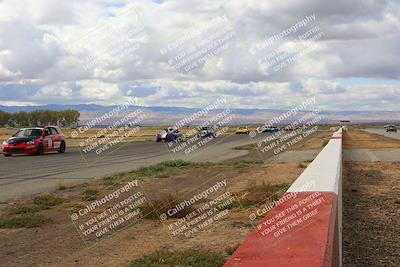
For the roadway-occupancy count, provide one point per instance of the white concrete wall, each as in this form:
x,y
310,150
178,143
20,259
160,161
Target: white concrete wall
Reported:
x,y
325,170
324,174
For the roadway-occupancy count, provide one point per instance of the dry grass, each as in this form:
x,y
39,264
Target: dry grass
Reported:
x,y
250,181
159,206
6,133
258,193
356,139
192,257
28,216
317,141
23,220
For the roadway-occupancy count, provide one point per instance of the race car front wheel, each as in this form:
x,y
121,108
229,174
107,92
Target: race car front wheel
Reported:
x,y
40,150
62,147
7,155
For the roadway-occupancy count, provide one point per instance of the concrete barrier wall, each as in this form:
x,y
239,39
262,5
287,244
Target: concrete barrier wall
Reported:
x,y
305,226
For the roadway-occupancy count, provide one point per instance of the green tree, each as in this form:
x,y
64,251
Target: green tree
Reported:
x,y
4,117
71,117
67,117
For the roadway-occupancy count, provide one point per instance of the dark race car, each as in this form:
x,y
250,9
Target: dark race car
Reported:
x,y
391,128
35,141
207,131
169,135
270,129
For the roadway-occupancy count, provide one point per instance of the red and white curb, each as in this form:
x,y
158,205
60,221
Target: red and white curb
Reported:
x,y
304,228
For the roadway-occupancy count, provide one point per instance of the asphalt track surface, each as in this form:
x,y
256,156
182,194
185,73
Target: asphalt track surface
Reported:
x,y
383,132
27,175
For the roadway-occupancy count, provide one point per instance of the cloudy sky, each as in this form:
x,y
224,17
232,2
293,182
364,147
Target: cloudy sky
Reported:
x,y
258,54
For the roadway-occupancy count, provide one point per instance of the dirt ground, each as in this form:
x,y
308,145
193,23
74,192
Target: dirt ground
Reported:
x,y
315,141
357,139
59,244
371,205
371,214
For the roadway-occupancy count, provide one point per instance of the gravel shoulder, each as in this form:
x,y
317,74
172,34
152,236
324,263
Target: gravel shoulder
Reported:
x,y
380,131
372,155
358,139
371,214
371,200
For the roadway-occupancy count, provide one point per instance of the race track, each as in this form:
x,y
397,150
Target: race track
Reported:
x,y
27,175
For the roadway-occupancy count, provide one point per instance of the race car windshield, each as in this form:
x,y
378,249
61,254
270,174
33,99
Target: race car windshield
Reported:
x,y
29,133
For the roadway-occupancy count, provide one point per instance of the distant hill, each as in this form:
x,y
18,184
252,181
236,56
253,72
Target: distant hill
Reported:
x,y
80,107
168,115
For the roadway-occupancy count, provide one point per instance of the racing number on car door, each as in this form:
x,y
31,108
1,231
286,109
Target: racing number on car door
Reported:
x,y
48,141
56,138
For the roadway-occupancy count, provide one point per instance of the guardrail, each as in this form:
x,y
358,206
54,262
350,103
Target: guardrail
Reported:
x,y
304,228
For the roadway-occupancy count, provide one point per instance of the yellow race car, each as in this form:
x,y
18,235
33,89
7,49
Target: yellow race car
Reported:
x,y
242,130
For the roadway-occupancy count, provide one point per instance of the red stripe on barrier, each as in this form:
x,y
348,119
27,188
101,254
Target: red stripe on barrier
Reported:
x,y
299,232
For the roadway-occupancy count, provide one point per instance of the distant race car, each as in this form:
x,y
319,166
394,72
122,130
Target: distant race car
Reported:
x,y
168,135
35,141
391,128
242,130
291,129
207,131
270,129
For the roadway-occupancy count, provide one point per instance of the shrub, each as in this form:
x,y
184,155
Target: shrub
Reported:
x,y
27,220
47,200
192,258
151,210
90,194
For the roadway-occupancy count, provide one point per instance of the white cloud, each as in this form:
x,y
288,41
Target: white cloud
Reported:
x,y
360,41
94,90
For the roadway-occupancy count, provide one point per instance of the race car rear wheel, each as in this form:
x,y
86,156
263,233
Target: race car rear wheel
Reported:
x,y
62,147
7,155
40,150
